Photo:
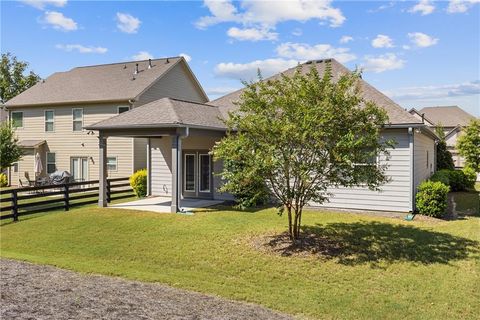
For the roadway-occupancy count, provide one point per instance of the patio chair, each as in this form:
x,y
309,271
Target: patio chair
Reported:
x,y
31,183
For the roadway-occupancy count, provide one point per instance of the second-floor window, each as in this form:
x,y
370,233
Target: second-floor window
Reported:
x,y
51,163
77,119
49,121
122,109
17,119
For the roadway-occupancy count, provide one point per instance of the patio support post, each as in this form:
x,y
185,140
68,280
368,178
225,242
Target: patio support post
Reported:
x,y
175,172
149,167
102,171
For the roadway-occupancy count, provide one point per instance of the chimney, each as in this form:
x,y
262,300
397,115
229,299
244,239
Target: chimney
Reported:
x,y
136,69
149,63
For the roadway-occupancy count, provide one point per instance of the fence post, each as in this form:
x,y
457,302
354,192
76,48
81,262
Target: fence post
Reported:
x,y
109,198
66,196
15,205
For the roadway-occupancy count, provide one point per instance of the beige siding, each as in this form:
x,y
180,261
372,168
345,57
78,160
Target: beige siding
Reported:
x,y
177,83
140,153
66,143
424,157
394,196
161,166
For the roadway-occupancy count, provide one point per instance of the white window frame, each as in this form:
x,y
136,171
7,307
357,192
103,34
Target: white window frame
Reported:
x,y
116,164
47,163
45,120
194,172
15,167
73,119
11,118
200,155
118,109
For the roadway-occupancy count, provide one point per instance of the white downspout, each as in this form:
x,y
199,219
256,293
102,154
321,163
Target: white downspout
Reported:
x,y
411,133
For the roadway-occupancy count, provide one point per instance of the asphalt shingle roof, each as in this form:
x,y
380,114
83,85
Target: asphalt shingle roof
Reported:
x,y
108,82
450,116
163,112
396,114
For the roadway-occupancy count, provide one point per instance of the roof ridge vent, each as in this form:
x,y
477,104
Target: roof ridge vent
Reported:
x,y
150,64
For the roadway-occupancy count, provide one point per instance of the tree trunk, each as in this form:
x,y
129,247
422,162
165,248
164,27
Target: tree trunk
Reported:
x,y
290,229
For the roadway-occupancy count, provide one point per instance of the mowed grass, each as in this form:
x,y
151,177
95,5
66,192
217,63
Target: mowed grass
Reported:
x,y
385,268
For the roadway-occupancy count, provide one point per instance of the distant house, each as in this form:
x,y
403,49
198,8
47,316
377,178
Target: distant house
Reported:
x,y
452,119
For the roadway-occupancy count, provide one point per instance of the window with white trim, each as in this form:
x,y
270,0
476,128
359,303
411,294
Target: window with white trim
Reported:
x,y
77,116
122,109
17,119
112,163
15,167
49,120
51,162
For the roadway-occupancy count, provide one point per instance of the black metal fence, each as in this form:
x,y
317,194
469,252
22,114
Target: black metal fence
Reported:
x,y
29,200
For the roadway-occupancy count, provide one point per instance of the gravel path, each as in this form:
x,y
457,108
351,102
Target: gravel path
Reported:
x,y
30,291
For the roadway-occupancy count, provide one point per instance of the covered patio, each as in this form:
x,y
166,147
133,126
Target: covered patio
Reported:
x,y
164,204
179,136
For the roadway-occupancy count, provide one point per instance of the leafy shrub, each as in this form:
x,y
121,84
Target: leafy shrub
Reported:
x,y
3,180
138,182
455,179
432,198
470,176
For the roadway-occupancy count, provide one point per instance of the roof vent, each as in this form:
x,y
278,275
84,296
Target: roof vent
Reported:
x,y
124,66
149,63
167,61
136,69
308,62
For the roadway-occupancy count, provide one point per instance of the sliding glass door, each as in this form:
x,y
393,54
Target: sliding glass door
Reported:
x,y
197,174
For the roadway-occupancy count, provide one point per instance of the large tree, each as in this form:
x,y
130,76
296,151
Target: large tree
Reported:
x,y
9,149
303,134
468,144
444,157
14,77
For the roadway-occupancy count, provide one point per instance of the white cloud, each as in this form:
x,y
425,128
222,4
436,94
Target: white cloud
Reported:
x,y
127,23
80,48
58,21
346,39
248,71
460,6
251,34
382,41
186,57
425,7
435,92
303,51
142,55
41,4
382,7
268,14
297,32
422,40
382,63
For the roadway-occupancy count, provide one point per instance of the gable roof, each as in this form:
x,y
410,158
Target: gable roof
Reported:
x,y
418,114
448,116
396,114
165,112
99,83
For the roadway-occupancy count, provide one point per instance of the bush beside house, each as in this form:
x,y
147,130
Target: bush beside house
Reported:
x,y
138,182
432,198
455,179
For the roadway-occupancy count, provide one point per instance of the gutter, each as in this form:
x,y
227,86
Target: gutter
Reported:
x,y
149,126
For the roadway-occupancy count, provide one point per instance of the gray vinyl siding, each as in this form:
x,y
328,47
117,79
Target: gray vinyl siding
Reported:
x,y
423,169
66,143
178,83
394,195
161,166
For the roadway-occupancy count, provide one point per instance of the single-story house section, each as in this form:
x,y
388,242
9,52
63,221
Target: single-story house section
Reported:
x,y
180,134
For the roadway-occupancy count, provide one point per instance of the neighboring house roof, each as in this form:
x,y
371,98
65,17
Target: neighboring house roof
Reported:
x,y
449,116
165,112
396,114
419,115
99,83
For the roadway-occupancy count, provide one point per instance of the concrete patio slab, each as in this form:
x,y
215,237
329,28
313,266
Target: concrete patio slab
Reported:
x,y
162,204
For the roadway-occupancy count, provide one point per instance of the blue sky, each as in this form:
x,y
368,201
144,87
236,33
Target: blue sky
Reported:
x,y
420,53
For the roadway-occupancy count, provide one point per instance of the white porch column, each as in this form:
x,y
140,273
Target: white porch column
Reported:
x,y
102,171
149,167
176,158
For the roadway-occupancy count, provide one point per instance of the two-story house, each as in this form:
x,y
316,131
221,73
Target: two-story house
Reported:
x,y
50,117
452,119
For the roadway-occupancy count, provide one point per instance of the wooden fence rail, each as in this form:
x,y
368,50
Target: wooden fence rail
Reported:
x,y
60,196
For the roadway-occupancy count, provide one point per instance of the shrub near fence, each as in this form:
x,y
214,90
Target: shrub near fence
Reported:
x,y
29,200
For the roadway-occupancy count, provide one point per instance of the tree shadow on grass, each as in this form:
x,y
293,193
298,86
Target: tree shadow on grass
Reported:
x,y
374,242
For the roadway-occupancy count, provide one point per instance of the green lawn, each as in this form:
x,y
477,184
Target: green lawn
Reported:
x,y
382,268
